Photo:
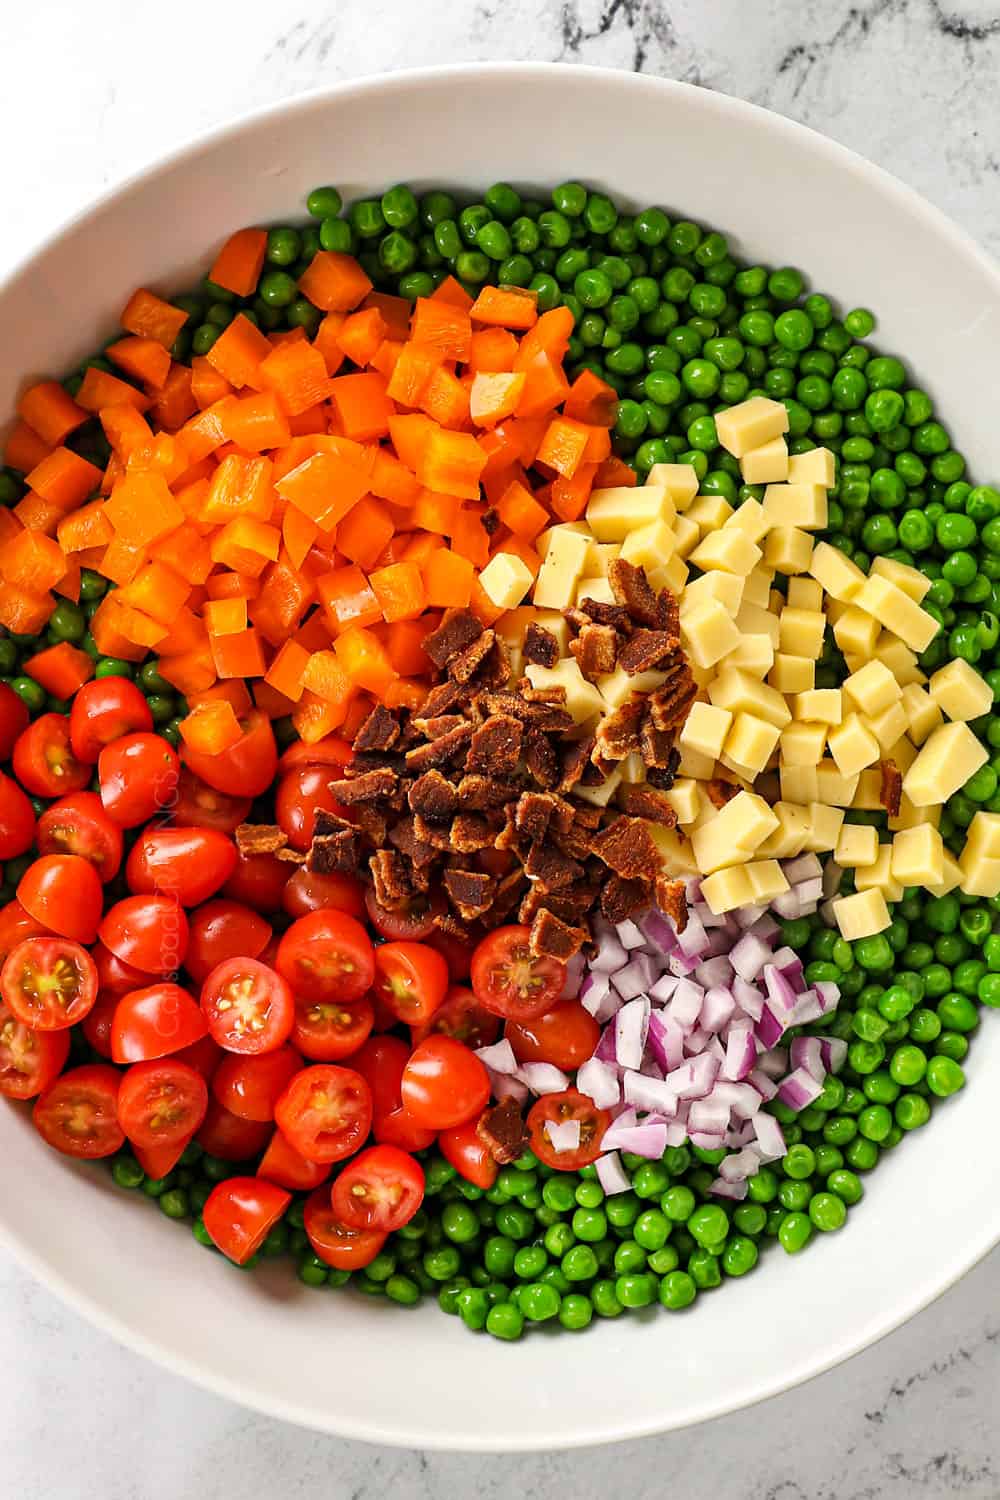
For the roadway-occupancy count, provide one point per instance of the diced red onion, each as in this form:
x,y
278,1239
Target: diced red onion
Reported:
x,y
774,1063
659,930
745,1135
799,1089
564,1135
685,1004
808,1007
770,1029
649,1093
663,989
710,1115
599,1082
717,1009
499,1057
741,1053
635,978
749,956
610,955
831,878
680,964
741,1166
804,867
696,1041
575,967
723,1189
828,992
612,1175
694,939
810,890
629,935
666,1041
788,904
829,914
766,1087
605,1050
742,1098
597,997
714,972
631,1026
506,1086
748,998
543,1078
694,1079
807,1052
746,916
781,993
676,1133
641,1140
706,1140
770,1136
833,1051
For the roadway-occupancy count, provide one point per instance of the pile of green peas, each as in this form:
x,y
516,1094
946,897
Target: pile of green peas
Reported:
x,y
680,328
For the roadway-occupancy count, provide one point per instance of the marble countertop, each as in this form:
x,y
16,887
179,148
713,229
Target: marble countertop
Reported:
x,y
98,90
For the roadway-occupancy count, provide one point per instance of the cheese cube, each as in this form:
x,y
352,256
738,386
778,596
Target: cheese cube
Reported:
x,y
805,593
648,546
556,624
833,786
757,587
952,876
861,915
613,513
960,692
744,822
868,792
788,549
726,588
705,729
583,700
825,823
879,875
984,834
944,764
633,769
617,687
792,674
730,551
815,467
888,727
857,845
578,528
910,580
853,746
856,633
754,619
602,555
980,874
799,784
802,744
751,424
749,744
767,464
709,633
674,850
872,689
683,798
903,753
511,626
696,763
838,574
709,512
900,660
598,589
686,537
601,794
749,517
801,632
727,890
826,705
912,817
918,856
767,879
802,505
789,838
740,693
754,654
562,568
506,580
923,714
679,480
897,612
672,575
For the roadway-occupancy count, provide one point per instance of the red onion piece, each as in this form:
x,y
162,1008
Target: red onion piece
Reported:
x,y
612,1175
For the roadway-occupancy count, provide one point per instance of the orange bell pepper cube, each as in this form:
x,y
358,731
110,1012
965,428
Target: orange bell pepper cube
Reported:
x,y
396,314
347,599
207,385
400,591
521,513
412,372
239,352
272,704
211,727
314,633
419,546
614,471
598,446
364,531
187,633
83,528
37,514
23,612
32,562
482,606
468,535
403,641
298,533
545,387
187,552
285,595
100,389
158,591
363,658
190,672
174,401
240,486
452,463
563,446
246,545
231,586
391,480
313,419
569,496
285,672
238,264
550,335
122,560
142,509
225,616
452,291
409,436
314,718
143,359
125,429
24,449
238,655
436,513
297,374
50,412
234,692
361,334
325,341
362,406
326,677
448,579
148,316
386,357
64,479
446,399
256,422
121,631
492,351
507,307
495,396
334,282
69,584
442,326
204,434
325,487
403,694
61,670
592,400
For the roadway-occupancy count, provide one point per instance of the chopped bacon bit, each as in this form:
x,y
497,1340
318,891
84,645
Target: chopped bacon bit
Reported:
x,y
464,665
502,1132
615,615
470,833
471,892
627,848
260,838
533,813
458,629
891,789
433,798
550,867
596,651
631,589
621,897
380,731
441,751
671,897
618,734
540,646
372,786
720,792
496,746
646,802
646,650
551,938
390,877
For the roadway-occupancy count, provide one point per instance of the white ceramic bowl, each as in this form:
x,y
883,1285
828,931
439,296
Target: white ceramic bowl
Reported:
x,y
371,1370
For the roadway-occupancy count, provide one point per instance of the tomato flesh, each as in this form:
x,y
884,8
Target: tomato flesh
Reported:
x,y
249,764
444,1084
17,819
49,982
251,1086
380,1189
161,1103
327,955
14,719
557,1109
302,792
78,824
326,1031
460,1015
413,921
344,1249
15,926
259,880
411,979
281,1163
509,980
325,1112
43,760
155,1021
29,1060
249,1008
240,1214
226,1136
78,1115
198,805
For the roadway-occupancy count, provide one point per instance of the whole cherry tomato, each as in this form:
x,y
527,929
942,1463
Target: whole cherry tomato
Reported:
x,y
98,1021
189,864
381,1062
43,759
114,976
250,1086
469,1155
460,1015
413,921
78,824
63,892
15,926
103,710
138,776
228,1137
248,765
565,1036
330,751
259,880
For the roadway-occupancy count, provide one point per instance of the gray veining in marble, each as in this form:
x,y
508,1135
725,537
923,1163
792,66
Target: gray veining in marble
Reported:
x,y
911,84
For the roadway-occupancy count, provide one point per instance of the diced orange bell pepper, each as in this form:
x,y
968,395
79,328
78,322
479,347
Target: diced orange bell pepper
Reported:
x,y
32,562
158,591
443,326
409,436
61,670
187,633
187,552
362,406
313,419
50,412
207,385
569,496
298,533
325,487
272,704
239,352
508,306
190,672
592,400
563,446
434,512
452,291
285,672
24,449
404,694
545,387
23,612
142,509
143,359
391,480
314,718
326,677
122,560
238,264
494,397
297,374
107,626
399,590
326,341
334,282
240,486
403,641
148,316
231,586
363,658
314,633
238,655
364,531
468,535
412,372
550,335
452,463
420,545
396,313
256,422
285,595
614,472
386,357
493,351
69,584
362,333
64,479
100,389
83,528
347,599
174,401
125,429
234,692
211,727
448,579
246,545
446,399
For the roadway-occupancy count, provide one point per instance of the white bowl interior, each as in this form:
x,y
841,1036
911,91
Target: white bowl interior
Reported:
x,y
370,1370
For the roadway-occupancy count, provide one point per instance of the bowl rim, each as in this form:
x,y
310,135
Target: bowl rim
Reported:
x,y
967,1252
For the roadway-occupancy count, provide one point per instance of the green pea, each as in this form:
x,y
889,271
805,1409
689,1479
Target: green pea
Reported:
x,y
505,1321
795,1232
944,1077
579,1263
127,1172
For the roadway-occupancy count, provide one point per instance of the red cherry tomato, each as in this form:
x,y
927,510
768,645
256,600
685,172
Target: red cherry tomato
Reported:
x,y
444,1084
281,1163
331,751
223,929
565,1036
381,1062
248,765
302,793
259,880
14,718
113,975
249,1008
381,1189
15,926
44,762
251,1086
78,1115
153,1022
411,979
557,1109
204,1056
510,981
468,1155
411,922
29,1060
161,1103
97,1023
138,776
157,1161
308,891
148,932
455,953
103,710
326,1031
189,864
17,819
199,805
327,955
345,1249
240,1214
460,1015
64,892
325,1112
78,824
228,1137
49,982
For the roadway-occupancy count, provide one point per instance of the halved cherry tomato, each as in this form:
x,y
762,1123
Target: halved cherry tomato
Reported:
x,y
308,891
456,954
249,764
240,1214
325,1112
97,1023
468,1154
281,1163
113,975
565,1036
161,1103
138,776
249,1008
189,864
559,1108
259,880
228,1137
381,1062
223,929
44,762
345,1249
105,709
15,925
251,1086
331,751
301,793
157,1161
148,932
17,819
64,892
77,1114
204,1056
413,921
78,824
29,1060
444,1084
381,1189
460,1015
326,1031
510,981
14,718
49,982
155,1021
411,979
199,805
327,955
